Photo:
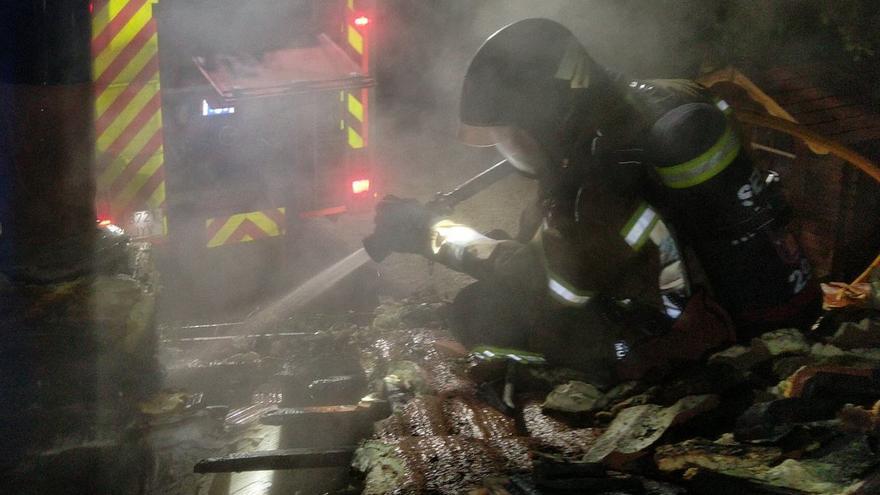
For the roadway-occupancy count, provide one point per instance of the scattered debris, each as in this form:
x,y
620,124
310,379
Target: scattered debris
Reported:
x,y
740,357
792,413
858,335
163,403
780,342
836,295
637,428
837,470
443,465
554,436
574,397
861,420
799,438
715,456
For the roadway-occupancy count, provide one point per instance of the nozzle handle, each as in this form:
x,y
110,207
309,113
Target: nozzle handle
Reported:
x,y
376,247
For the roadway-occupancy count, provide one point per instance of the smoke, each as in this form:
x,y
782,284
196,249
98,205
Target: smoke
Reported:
x,y
423,49
433,41
420,51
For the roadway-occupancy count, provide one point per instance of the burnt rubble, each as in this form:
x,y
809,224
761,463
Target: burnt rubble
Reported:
x,y
787,413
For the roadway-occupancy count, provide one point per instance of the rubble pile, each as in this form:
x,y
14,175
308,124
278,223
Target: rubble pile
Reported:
x,y
787,413
76,356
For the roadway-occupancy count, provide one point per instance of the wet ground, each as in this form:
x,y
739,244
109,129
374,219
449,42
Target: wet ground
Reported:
x,y
219,388
229,371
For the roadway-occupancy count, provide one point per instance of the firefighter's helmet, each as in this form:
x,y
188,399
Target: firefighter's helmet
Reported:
x,y
521,89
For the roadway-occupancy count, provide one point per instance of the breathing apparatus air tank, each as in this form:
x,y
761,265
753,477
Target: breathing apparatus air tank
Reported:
x,y
735,219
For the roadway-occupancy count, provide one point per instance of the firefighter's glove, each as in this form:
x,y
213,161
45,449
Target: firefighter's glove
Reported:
x,y
403,225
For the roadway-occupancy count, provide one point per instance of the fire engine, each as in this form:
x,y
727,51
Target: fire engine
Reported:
x,y
222,125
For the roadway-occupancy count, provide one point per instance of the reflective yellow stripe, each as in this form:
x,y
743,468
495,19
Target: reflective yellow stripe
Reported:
x,y
265,223
124,37
126,116
231,224
158,196
100,19
559,289
141,178
355,140
724,106
350,4
136,64
703,167
356,40
143,135
565,293
129,151
355,108
222,235
638,229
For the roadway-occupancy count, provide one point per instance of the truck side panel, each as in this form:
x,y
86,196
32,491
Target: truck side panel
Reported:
x,y
128,116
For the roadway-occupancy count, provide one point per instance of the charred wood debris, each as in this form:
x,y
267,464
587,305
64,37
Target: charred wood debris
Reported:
x,y
390,402
790,412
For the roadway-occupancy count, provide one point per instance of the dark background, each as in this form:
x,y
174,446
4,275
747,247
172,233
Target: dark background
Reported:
x,y
425,44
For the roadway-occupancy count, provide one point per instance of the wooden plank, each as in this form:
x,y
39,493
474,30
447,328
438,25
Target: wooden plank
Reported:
x,y
304,416
830,114
779,74
845,125
819,104
799,95
774,87
859,135
272,460
703,482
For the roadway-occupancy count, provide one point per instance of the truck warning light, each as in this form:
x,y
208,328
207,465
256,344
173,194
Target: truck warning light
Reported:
x,y
360,186
207,110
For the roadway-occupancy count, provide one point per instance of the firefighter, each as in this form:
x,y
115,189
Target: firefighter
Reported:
x,y
648,202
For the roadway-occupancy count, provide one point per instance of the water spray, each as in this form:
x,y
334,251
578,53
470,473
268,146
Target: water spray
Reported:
x,y
375,248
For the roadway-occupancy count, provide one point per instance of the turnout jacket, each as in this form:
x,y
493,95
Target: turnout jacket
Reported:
x,y
599,230
669,165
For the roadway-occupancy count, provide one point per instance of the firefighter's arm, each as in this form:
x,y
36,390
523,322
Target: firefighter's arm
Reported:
x,y
605,248
507,262
407,226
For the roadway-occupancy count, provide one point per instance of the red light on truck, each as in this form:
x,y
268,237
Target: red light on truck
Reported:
x,y
360,186
361,20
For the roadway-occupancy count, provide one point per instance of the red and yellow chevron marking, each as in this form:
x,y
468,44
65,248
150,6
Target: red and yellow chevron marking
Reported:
x,y
354,121
128,107
355,103
244,227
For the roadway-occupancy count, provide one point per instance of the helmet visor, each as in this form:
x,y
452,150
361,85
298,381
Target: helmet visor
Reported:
x,y
474,135
519,147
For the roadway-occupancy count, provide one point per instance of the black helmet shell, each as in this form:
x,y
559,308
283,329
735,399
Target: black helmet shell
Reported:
x,y
523,75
